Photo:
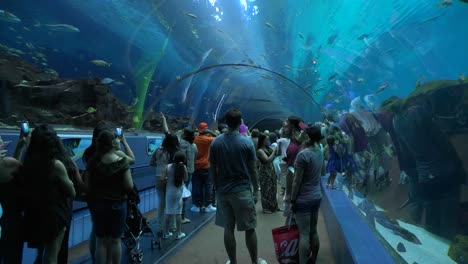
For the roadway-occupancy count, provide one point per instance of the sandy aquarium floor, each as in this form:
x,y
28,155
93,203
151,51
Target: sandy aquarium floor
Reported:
x,y
433,249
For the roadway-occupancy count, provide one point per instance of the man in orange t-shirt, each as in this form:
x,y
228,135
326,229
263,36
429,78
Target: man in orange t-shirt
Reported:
x,y
202,192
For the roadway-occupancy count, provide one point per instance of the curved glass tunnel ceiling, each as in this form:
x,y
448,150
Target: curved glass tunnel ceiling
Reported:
x,y
334,50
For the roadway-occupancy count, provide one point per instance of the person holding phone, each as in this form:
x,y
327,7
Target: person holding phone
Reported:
x,y
110,184
47,170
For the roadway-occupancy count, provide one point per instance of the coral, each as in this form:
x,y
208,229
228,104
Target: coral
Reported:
x,y
458,250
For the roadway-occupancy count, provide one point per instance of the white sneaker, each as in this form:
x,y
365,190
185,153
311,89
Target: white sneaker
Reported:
x,y
210,208
195,209
261,261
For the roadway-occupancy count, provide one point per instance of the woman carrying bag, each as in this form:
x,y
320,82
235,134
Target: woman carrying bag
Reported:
x,y
306,194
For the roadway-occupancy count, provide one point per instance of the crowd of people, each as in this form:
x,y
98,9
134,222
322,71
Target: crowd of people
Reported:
x,y
227,170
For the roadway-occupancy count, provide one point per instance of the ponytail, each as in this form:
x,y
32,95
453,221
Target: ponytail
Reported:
x,y
179,173
179,168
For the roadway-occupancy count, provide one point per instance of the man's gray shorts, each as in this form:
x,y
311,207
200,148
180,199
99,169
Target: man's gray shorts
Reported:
x,y
236,209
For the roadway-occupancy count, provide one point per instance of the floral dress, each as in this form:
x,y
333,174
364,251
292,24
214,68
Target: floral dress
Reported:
x,y
268,183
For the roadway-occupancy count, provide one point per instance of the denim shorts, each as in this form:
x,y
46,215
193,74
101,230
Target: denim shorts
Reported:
x,y
108,217
308,207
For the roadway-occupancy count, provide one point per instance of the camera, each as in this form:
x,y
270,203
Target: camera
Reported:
x,y
25,127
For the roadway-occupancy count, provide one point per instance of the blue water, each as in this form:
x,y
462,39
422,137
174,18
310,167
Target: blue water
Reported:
x,y
404,41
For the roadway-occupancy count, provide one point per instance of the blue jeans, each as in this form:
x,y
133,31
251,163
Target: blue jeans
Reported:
x,y
202,191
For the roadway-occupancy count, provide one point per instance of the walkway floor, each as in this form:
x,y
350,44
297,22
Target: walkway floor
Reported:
x,y
207,245
204,243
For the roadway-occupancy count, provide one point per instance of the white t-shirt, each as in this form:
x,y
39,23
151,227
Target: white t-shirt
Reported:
x,y
284,146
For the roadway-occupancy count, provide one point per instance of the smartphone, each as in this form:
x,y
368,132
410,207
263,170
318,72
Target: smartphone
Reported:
x,y
118,131
5,145
25,128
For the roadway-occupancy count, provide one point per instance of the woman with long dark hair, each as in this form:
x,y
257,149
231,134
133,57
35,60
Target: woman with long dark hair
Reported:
x,y
162,156
47,170
306,194
87,155
110,182
267,177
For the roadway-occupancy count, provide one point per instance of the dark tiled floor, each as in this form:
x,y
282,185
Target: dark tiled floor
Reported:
x,y
80,253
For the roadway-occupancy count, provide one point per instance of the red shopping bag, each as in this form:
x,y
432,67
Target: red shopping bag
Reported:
x,y
286,240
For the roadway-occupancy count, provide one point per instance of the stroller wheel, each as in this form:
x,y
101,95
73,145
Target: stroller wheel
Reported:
x,y
140,257
129,242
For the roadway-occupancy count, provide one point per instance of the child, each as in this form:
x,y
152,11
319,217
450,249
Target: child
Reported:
x,y
175,174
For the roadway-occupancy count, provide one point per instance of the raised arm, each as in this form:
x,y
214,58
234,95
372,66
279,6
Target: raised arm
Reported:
x,y
261,155
128,154
164,123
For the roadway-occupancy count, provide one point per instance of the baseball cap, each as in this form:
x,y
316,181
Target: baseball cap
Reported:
x,y
243,129
202,126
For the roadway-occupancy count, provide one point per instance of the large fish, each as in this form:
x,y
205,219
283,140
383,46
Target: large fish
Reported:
x,y
9,17
101,63
189,81
62,28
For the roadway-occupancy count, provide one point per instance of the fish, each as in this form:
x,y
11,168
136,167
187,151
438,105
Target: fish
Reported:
x,y
266,76
269,25
332,38
461,77
123,76
29,45
188,82
91,110
107,81
301,36
360,80
119,83
289,67
445,3
382,88
101,63
191,15
40,55
8,17
363,37
432,18
332,76
419,81
26,28
62,28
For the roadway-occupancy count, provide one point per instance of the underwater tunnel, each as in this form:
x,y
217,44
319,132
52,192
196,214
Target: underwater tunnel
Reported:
x,y
74,63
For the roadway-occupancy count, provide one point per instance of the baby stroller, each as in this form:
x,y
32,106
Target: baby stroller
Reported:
x,y
135,226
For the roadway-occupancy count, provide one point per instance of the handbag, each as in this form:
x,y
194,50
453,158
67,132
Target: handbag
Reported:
x,y
186,193
286,241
